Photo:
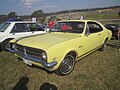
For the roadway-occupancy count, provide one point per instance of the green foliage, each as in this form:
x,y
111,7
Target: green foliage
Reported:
x,y
2,18
53,18
12,14
40,15
82,10
98,14
90,13
119,13
5,17
41,19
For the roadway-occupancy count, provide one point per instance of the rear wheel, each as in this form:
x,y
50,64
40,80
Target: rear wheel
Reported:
x,y
67,65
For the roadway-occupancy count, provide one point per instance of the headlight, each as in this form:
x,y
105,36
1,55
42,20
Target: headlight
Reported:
x,y
44,55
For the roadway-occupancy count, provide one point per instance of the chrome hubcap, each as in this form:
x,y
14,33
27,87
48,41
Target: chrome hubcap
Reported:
x,y
67,64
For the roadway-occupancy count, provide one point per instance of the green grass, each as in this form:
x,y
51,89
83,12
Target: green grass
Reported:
x,y
97,71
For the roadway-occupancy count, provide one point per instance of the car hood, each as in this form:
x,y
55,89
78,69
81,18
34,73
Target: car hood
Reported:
x,y
45,41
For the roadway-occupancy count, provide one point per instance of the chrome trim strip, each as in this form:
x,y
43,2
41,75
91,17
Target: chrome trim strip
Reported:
x,y
44,63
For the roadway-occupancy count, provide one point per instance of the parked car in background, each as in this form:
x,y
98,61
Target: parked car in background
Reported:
x,y
114,29
67,42
15,29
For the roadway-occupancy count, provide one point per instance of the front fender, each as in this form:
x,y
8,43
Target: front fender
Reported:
x,y
58,52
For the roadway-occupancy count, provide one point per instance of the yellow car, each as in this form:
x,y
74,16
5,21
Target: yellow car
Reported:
x,y
65,43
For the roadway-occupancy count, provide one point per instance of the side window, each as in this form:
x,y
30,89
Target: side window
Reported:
x,y
94,27
20,27
34,27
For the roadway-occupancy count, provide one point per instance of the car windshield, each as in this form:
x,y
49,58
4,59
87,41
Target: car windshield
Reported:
x,y
70,27
3,26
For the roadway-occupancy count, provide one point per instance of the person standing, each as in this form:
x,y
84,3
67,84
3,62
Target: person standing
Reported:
x,y
119,38
51,23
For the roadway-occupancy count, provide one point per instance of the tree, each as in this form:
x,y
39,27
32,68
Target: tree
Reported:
x,y
39,15
2,18
12,14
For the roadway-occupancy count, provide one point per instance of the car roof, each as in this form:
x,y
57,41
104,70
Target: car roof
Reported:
x,y
19,22
76,20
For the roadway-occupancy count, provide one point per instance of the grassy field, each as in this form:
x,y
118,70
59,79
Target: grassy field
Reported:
x,y
99,15
97,71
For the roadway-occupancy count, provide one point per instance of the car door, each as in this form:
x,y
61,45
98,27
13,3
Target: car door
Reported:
x,y
95,34
90,40
20,30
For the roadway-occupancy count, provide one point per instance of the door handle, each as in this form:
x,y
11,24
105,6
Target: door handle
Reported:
x,y
99,34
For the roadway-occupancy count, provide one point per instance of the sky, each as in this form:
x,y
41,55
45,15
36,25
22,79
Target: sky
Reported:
x,y
27,7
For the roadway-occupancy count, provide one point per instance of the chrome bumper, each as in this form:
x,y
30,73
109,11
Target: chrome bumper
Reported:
x,y
42,62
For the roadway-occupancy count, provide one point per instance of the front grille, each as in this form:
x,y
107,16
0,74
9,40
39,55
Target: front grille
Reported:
x,y
36,53
19,48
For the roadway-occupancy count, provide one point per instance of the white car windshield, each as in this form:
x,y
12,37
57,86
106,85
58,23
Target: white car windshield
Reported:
x,y
71,27
3,26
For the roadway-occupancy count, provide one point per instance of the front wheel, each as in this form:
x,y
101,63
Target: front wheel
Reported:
x,y
67,65
5,45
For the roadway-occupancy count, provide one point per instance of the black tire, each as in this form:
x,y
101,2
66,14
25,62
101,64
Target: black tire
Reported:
x,y
103,46
67,65
5,45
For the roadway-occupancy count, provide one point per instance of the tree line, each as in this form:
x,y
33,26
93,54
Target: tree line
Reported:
x,y
40,15
82,10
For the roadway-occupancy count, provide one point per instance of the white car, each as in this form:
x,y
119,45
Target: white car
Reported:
x,y
15,29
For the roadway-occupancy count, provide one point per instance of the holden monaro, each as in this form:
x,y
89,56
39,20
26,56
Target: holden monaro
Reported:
x,y
65,43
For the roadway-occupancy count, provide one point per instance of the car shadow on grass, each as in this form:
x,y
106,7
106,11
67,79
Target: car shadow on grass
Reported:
x,y
22,84
47,86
